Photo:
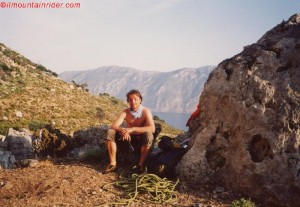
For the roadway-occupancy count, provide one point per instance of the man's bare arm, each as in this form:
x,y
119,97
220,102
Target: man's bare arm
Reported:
x,y
117,123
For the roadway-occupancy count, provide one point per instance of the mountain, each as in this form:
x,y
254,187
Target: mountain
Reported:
x,y
31,96
174,91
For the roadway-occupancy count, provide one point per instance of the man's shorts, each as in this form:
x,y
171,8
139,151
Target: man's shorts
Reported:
x,y
145,138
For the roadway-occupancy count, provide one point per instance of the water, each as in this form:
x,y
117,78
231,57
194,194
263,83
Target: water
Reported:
x,y
176,120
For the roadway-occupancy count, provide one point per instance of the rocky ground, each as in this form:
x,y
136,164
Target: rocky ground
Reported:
x,y
74,183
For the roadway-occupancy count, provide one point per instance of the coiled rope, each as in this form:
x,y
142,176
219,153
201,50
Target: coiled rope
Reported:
x,y
156,190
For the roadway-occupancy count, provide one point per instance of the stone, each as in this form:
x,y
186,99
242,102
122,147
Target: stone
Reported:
x,y
93,136
19,143
2,138
82,151
247,136
5,159
19,114
8,186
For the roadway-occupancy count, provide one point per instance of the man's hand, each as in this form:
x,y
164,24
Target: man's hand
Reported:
x,y
125,134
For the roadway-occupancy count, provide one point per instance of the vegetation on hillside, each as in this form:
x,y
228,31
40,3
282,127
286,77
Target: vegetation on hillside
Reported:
x,y
32,96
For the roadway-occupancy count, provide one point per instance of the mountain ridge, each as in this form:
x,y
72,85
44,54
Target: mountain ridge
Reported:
x,y
172,91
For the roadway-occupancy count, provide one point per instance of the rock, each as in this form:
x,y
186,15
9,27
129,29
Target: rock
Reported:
x,y
7,160
219,189
19,114
19,143
248,132
2,138
8,186
81,151
93,136
26,163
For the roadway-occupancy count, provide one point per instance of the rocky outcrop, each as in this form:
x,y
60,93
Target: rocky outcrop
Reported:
x,y
92,136
16,146
19,148
247,135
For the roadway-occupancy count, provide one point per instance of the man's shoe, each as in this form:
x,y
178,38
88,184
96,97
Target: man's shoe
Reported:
x,y
137,169
109,169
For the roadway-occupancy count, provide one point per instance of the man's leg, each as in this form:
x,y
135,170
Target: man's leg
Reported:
x,y
147,143
144,153
111,150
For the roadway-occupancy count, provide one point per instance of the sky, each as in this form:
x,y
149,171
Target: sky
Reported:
x,y
148,35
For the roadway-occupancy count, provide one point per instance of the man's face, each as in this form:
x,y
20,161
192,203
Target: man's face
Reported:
x,y
134,102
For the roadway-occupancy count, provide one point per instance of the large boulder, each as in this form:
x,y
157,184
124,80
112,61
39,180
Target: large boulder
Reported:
x,y
19,143
93,136
16,146
248,132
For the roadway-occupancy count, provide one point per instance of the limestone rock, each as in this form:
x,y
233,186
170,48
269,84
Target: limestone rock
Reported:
x,y
82,151
16,146
93,136
248,132
19,143
7,160
19,114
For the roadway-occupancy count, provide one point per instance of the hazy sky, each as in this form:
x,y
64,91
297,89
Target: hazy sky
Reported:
x,y
152,35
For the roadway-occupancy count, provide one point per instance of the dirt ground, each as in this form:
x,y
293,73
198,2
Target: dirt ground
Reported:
x,y
74,183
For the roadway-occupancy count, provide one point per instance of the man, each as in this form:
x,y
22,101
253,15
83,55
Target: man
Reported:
x,y
140,125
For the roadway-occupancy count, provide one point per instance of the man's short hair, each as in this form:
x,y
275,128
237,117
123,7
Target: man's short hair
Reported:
x,y
135,92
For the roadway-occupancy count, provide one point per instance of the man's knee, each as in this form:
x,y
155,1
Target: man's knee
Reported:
x,y
148,139
111,135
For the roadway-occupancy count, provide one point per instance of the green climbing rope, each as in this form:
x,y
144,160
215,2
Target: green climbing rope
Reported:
x,y
155,189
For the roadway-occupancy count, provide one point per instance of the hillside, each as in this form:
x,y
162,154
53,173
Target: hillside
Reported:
x,y
175,91
31,95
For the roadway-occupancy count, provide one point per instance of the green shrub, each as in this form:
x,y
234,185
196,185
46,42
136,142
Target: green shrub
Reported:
x,y
44,69
41,67
104,94
114,100
157,118
36,124
4,67
242,203
4,126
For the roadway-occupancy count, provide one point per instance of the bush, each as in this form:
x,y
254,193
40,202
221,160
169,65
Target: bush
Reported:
x,y
40,67
242,203
36,124
52,142
157,118
114,100
104,94
4,128
4,67
44,69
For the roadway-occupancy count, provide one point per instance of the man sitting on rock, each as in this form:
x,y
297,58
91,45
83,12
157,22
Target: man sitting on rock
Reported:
x,y
140,126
